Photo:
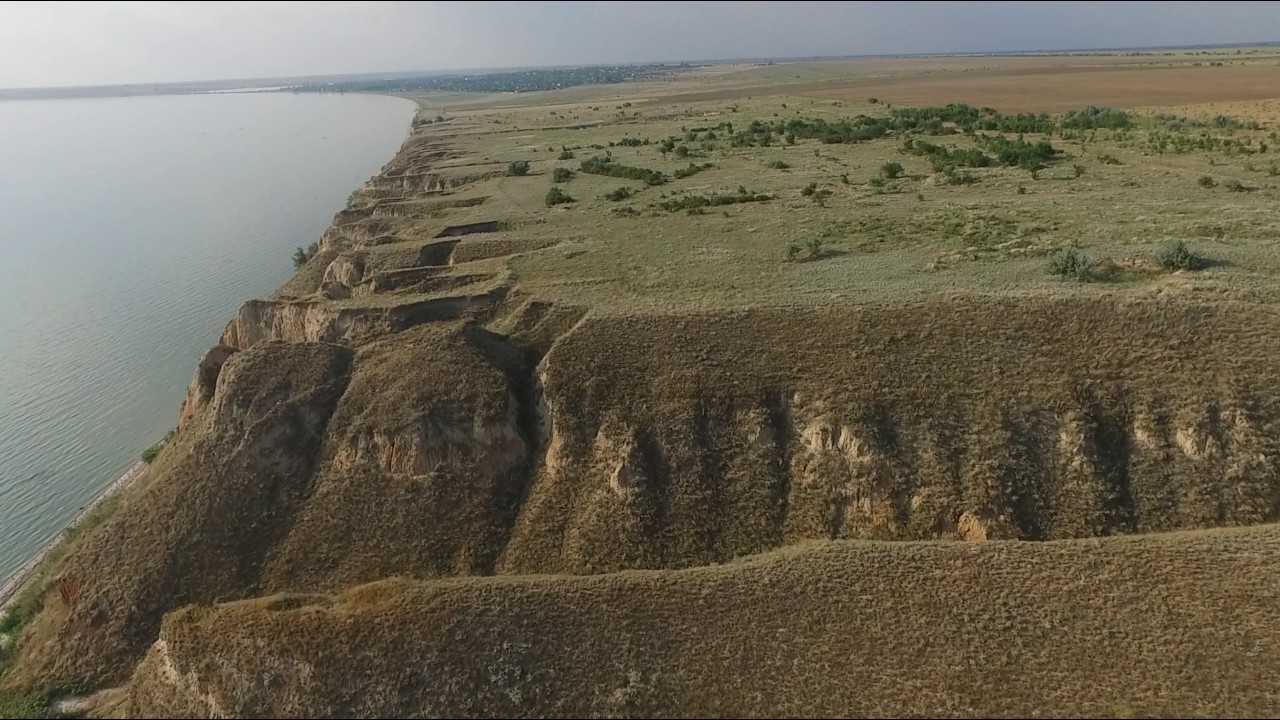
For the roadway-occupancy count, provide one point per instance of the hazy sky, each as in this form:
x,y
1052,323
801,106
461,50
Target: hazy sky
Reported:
x,y
123,42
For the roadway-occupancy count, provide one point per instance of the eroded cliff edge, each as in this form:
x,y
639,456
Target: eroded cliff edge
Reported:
x,y
405,408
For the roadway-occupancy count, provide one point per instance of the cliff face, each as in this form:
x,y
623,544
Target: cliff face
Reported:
x,y
443,450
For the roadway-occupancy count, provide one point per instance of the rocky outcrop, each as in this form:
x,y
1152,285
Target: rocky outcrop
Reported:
x,y
320,321
205,383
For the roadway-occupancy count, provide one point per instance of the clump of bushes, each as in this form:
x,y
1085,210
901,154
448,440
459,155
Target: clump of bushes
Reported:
x,y
1207,181
891,170
1020,153
556,196
302,255
1234,185
1180,257
604,166
696,202
1072,264
518,168
566,154
561,175
619,194
690,170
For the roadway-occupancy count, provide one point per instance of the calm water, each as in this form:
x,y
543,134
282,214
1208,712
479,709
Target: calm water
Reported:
x,y
130,231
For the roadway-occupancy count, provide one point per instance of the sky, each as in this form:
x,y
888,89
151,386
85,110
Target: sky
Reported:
x,y
72,43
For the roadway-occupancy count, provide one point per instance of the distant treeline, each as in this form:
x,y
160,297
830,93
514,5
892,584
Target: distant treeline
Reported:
x,y
517,81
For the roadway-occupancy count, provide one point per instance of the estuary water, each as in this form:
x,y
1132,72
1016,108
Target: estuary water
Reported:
x,y
130,231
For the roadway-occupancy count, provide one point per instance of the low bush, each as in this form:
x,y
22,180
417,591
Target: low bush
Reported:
x,y
561,175
1180,257
518,168
150,454
556,196
1071,263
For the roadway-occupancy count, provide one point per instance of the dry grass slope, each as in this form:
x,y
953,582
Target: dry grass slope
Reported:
x,y
673,442
1168,626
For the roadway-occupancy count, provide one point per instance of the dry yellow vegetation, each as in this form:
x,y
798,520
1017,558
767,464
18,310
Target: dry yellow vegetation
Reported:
x,y
780,414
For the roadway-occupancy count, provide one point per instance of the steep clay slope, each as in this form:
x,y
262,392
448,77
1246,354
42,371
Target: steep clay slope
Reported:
x,y
682,441
201,528
1165,626
672,442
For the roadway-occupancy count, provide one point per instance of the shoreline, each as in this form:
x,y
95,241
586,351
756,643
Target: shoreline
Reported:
x,y
18,580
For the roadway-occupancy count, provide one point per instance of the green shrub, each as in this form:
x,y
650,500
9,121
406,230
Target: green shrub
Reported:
x,y
809,189
150,454
793,251
556,196
779,165
604,166
891,170
518,168
1234,185
814,245
16,617
1180,257
1206,181
561,175
619,194
690,170
688,202
1071,263
1022,189
302,255
1078,169
566,154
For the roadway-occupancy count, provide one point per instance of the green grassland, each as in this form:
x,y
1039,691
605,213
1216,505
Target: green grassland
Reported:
x,y
1119,195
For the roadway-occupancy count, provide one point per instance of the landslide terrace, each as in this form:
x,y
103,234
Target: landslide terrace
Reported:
x,y
646,462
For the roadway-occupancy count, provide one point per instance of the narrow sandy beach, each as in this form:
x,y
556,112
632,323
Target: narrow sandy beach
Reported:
x,y
14,584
